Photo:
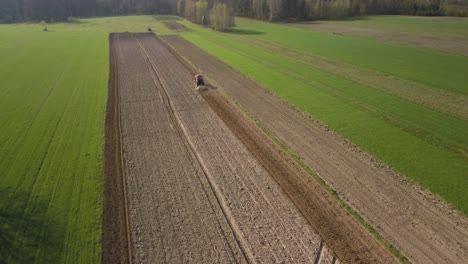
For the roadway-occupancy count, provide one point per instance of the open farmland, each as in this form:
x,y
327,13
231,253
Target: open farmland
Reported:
x,y
185,172
438,33
456,27
190,178
397,123
390,100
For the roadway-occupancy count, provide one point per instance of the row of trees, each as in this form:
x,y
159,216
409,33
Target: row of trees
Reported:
x,y
59,10
325,9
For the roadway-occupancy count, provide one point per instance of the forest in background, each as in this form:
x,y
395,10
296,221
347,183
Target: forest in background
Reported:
x,y
271,10
274,10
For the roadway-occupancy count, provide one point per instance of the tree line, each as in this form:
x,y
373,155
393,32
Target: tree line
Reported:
x,y
61,10
272,10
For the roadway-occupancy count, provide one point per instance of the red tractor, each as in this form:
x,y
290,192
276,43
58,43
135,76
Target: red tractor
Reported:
x,y
198,81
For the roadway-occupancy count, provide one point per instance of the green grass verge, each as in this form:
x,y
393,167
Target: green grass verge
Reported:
x,y
428,146
52,110
437,69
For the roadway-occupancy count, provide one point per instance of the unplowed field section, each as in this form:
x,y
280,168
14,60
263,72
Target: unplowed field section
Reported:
x,y
195,192
418,224
447,44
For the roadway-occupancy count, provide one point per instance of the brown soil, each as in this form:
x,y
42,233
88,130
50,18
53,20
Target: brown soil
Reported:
x,y
173,25
424,228
349,240
115,236
442,43
199,177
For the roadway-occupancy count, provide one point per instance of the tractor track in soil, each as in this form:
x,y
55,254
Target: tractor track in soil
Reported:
x,y
116,236
420,225
199,187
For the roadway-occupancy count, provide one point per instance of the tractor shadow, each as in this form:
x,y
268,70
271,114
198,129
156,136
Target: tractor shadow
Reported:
x,y
207,88
238,31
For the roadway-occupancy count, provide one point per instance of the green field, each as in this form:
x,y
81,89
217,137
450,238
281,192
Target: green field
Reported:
x,y
438,26
54,88
428,145
54,91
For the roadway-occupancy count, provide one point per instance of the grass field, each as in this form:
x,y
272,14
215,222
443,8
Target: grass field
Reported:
x,y
439,26
429,146
54,91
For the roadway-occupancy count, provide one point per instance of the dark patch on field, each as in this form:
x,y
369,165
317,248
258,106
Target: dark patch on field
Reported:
x,y
173,25
244,32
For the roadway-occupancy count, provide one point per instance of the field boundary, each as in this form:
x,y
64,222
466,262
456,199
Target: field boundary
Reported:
x,y
116,231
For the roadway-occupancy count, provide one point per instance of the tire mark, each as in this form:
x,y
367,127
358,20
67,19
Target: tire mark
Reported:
x,y
114,231
124,179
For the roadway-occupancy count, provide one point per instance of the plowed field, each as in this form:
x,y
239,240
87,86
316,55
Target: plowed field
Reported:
x,y
421,226
190,179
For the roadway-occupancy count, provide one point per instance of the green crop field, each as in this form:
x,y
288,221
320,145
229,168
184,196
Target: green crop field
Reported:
x,y
53,88
322,74
439,26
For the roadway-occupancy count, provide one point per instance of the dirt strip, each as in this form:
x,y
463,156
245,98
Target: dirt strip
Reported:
x,y
115,236
442,43
173,25
424,228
